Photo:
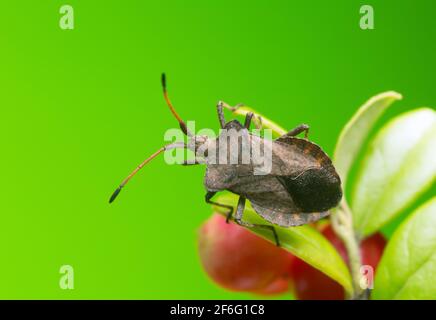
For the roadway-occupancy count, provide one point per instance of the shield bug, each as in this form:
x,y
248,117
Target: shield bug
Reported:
x,y
300,186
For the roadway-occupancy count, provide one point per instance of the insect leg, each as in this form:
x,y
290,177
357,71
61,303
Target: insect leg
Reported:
x,y
220,110
209,196
299,129
249,115
248,118
238,219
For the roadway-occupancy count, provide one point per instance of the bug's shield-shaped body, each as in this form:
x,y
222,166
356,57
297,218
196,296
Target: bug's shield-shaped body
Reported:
x,y
299,188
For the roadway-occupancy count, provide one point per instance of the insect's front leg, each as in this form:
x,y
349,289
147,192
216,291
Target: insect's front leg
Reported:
x,y
238,219
248,118
220,110
299,129
209,196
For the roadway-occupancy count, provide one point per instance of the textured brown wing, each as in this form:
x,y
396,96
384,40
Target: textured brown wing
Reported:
x,y
317,187
309,179
293,156
300,188
283,218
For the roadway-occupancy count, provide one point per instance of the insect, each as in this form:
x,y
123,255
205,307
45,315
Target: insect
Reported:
x,y
300,187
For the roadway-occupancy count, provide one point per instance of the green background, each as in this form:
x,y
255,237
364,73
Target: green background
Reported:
x,y
81,108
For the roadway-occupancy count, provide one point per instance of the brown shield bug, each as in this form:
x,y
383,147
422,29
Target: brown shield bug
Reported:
x,y
300,186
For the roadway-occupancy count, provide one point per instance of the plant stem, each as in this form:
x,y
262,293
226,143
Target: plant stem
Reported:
x,y
342,223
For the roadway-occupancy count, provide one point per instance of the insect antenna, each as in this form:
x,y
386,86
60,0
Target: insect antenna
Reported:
x,y
154,155
173,111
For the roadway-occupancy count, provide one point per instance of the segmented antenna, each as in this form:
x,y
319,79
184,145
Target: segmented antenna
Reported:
x,y
170,146
132,174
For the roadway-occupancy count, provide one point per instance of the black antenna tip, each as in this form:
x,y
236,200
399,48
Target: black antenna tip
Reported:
x,y
164,81
183,128
115,194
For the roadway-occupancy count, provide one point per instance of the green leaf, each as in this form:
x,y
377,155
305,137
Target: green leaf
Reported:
x,y
266,123
357,129
304,242
400,164
407,269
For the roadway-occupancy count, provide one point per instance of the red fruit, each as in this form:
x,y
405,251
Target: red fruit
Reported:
x,y
312,284
238,260
280,285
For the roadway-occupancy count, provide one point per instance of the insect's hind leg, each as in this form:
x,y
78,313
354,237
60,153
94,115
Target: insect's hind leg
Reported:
x,y
299,129
209,196
238,219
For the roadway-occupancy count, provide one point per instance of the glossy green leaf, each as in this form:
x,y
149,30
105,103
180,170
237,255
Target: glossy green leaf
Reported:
x,y
408,267
304,242
400,164
357,129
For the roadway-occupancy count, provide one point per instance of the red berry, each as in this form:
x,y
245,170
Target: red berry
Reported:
x,y
238,260
312,284
280,285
